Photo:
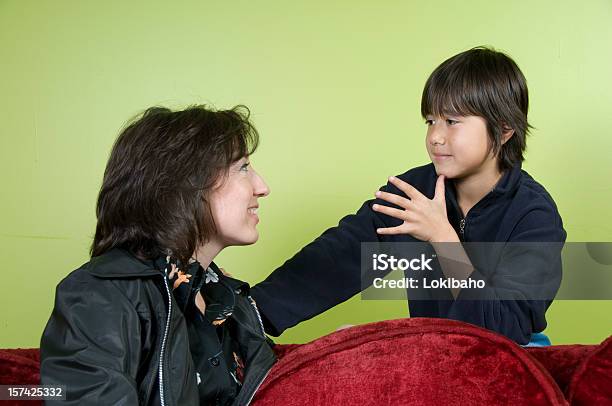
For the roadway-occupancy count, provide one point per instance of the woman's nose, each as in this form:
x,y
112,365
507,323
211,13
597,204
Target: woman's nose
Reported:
x,y
260,188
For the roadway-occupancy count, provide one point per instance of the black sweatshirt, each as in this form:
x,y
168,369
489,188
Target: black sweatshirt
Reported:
x,y
327,271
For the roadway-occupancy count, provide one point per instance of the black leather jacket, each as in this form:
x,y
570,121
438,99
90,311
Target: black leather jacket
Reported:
x,y
118,337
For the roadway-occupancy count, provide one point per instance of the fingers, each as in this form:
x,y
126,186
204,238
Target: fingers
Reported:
x,y
393,198
410,190
439,195
392,230
390,211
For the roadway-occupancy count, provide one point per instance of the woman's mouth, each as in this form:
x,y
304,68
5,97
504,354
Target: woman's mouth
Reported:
x,y
253,212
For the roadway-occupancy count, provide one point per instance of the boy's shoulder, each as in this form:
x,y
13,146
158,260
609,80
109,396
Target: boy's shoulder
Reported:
x,y
420,175
423,178
534,192
533,214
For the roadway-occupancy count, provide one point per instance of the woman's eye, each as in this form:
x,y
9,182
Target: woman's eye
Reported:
x,y
245,166
429,121
450,121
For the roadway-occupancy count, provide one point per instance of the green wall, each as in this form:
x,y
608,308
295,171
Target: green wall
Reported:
x,y
334,88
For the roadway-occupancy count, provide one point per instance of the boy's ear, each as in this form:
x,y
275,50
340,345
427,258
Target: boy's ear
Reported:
x,y
507,133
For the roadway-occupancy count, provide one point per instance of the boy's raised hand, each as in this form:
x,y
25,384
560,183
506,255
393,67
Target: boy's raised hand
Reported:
x,y
423,218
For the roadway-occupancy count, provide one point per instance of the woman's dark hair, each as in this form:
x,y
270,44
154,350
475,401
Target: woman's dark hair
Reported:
x,y
154,196
486,83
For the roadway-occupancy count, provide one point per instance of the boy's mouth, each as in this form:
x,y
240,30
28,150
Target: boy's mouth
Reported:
x,y
441,157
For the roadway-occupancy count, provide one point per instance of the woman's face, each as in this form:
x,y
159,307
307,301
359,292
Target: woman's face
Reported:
x,y
234,205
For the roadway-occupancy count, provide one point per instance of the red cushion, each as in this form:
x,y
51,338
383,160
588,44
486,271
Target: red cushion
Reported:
x,y
561,360
592,381
283,349
20,367
414,361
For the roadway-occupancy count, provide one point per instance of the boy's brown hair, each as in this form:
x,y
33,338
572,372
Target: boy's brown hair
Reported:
x,y
486,83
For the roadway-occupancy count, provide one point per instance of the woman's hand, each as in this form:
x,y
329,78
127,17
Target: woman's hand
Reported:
x,y
423,218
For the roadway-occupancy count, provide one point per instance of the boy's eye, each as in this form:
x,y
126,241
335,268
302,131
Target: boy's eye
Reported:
x,y
429,121
245,166
450,121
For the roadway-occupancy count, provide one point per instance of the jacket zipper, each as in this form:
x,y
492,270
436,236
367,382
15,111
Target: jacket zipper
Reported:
x,y
252,301
263,332
161,356
250,399
462,227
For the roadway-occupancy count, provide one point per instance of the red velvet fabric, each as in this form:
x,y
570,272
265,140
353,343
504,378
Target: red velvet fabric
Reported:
x,y
561,360
592,381
20,367
409,362
283,349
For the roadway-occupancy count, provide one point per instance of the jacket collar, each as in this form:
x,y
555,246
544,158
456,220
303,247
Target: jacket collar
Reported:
x,y
235,284
119,263
506,185
509,182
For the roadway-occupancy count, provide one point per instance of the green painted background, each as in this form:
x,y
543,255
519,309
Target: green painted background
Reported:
x,y
334,88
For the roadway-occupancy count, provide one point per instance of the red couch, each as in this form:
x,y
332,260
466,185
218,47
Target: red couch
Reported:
x,y
412,362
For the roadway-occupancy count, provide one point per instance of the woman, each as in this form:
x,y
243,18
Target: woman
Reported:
x,y
150,319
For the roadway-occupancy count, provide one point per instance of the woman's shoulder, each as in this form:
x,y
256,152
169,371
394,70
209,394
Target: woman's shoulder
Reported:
x,y
82,290
111,278
119,263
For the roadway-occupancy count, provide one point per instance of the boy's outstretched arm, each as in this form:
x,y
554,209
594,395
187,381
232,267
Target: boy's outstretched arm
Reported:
x,y
324,273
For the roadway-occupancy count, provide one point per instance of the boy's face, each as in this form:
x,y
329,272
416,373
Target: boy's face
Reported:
x,y
459,145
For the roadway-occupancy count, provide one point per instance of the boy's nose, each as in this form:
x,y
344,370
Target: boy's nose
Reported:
x,y
436,136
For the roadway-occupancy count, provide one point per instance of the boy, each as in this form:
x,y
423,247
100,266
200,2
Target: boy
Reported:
x,y
475,105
